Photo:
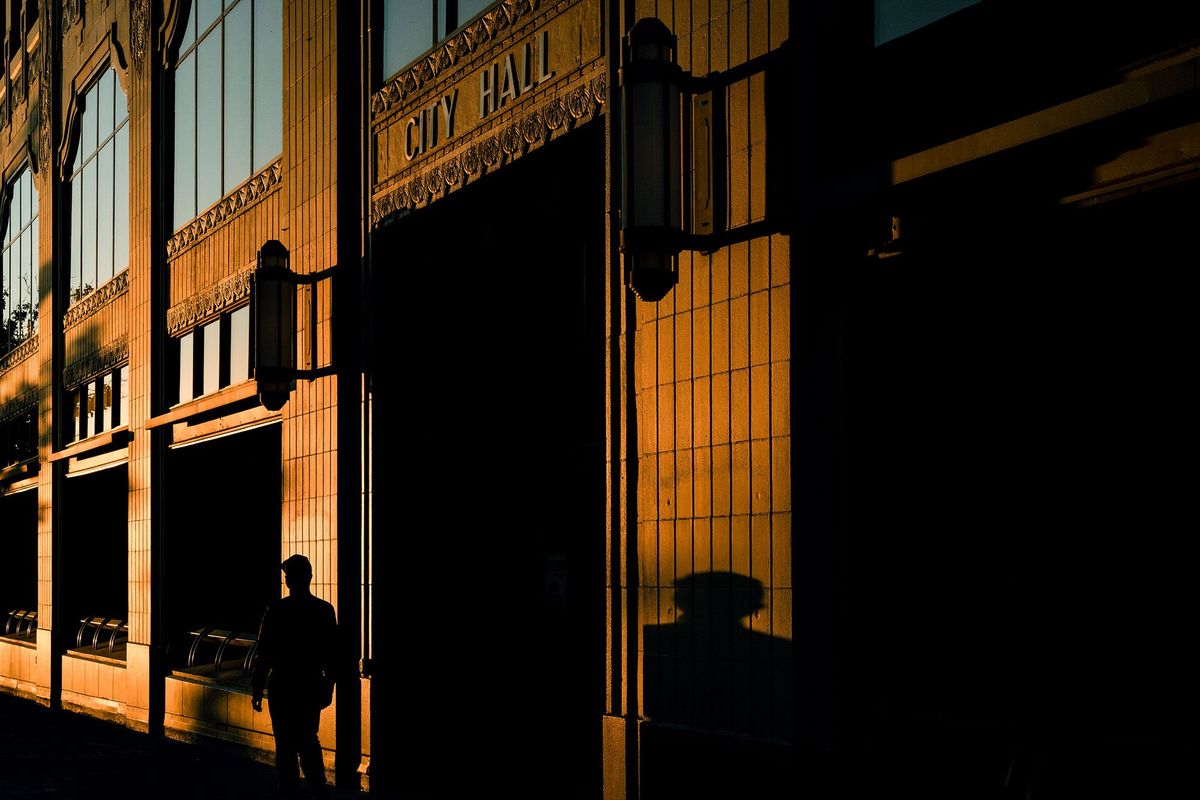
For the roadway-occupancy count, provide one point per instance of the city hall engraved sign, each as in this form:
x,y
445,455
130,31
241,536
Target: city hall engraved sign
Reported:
x,y
523,73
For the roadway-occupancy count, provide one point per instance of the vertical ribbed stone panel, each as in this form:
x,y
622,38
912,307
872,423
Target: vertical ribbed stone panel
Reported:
x,y
712,378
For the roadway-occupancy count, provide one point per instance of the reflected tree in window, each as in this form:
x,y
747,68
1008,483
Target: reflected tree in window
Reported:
x,y
19,263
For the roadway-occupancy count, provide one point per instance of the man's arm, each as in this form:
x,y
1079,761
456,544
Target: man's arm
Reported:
x,y
329,654
261,665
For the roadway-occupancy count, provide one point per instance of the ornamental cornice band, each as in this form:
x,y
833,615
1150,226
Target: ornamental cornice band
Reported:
x,y
445,57
210,302
97,300
16,406
491,152
244,196
96,363
23,351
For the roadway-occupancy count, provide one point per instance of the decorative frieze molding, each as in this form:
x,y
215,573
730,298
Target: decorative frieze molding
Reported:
x,y
493,151
18,89
139,36
21,352
16,406
46,106
72,12
209,303
97,300
249,193
96,363
485,29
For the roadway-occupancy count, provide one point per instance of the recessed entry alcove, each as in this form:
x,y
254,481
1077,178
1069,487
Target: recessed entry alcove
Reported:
x,y
18,564
93,600
222,541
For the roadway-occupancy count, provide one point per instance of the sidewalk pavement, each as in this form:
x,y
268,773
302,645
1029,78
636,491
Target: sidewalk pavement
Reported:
x,y
59,754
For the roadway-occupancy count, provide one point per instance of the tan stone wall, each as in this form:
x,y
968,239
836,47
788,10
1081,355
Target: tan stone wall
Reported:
x,y
713,366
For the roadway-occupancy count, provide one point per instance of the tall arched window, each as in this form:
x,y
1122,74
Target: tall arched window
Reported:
x,y
100,189
19,264
228,99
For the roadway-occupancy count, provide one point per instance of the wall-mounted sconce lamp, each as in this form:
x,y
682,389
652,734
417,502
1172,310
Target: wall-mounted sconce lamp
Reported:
x,y
275,288
274,325
652,224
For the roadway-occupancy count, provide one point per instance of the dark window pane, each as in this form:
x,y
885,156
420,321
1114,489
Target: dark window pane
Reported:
x,y
212,357
185,142
104,215
894,18
73,432
237,96
208,119
87,126
123,389
31,195
89,227
6,282
76,236
34,268
89,414
407,33
16,294
18,206
14,214
121,105
239,345
121,199
106,400
186,367
104,104
268,82
189,33
442,21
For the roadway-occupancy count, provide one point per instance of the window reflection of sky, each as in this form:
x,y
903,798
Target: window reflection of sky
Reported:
x,y
895,18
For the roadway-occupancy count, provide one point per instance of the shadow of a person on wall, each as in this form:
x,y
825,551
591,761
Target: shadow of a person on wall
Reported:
x,y
717,693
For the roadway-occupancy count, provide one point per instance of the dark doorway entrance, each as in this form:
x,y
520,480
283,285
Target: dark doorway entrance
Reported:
x,y
489,483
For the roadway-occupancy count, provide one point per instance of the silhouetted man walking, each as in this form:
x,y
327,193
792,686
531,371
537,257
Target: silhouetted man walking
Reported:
x,y
295,663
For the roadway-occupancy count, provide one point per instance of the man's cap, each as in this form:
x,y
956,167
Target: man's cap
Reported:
x,y
299,563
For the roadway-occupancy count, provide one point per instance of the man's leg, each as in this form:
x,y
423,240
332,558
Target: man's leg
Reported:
x,y
310,753
287,735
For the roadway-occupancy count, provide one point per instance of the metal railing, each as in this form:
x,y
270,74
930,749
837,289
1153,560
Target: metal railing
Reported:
x,y
221,649
21,624
108,633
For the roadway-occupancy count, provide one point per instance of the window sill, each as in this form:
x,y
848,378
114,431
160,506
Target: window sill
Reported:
x,y
210,405
22,469
117,437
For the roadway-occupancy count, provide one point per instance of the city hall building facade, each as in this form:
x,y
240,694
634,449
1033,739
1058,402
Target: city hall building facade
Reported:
x,y
602,357
436,402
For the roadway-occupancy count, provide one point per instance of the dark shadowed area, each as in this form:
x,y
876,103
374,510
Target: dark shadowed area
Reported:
x,y
46,753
